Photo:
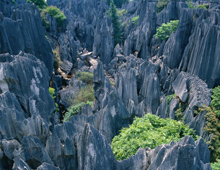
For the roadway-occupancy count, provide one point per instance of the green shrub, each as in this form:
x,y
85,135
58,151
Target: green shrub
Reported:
x,y
165,30
52,92
44,21
55,12
216,165
39,3
52,11
13,1
73,110
121,12
205,6
86,77
213,125
85,94
149,131
161,5
190,5
134,20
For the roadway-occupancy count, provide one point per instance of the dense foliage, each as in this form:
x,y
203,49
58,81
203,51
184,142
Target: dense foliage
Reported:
x,y
118,35
86,77
161,5
216,165
60,17
149,131
165,30
213,125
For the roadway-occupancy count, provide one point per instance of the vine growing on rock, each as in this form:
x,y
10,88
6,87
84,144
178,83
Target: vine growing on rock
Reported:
x,y
148,131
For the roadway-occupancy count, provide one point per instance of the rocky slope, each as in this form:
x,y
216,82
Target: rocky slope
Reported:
x,y
144,69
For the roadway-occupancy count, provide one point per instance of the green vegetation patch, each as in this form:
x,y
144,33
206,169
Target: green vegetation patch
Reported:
x,y
161,5
204,6
216,165
121,12
149,131
73,110
86,77
165,30
213,124
85,94
52,93
134,20
56,13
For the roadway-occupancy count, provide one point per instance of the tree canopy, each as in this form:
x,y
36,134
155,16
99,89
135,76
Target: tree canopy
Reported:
x,y
118,35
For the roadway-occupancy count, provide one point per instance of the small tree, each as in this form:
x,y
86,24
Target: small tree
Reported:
x,y
118,35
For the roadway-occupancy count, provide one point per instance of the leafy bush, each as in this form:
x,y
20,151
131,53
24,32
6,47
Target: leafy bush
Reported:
x,y
44,21
85,94
73,110
149,131
52,92
161,5
121,12
52,11
190,5
134,20
165,30
55,12
86,77
39,3
216,165
205,6
213,125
